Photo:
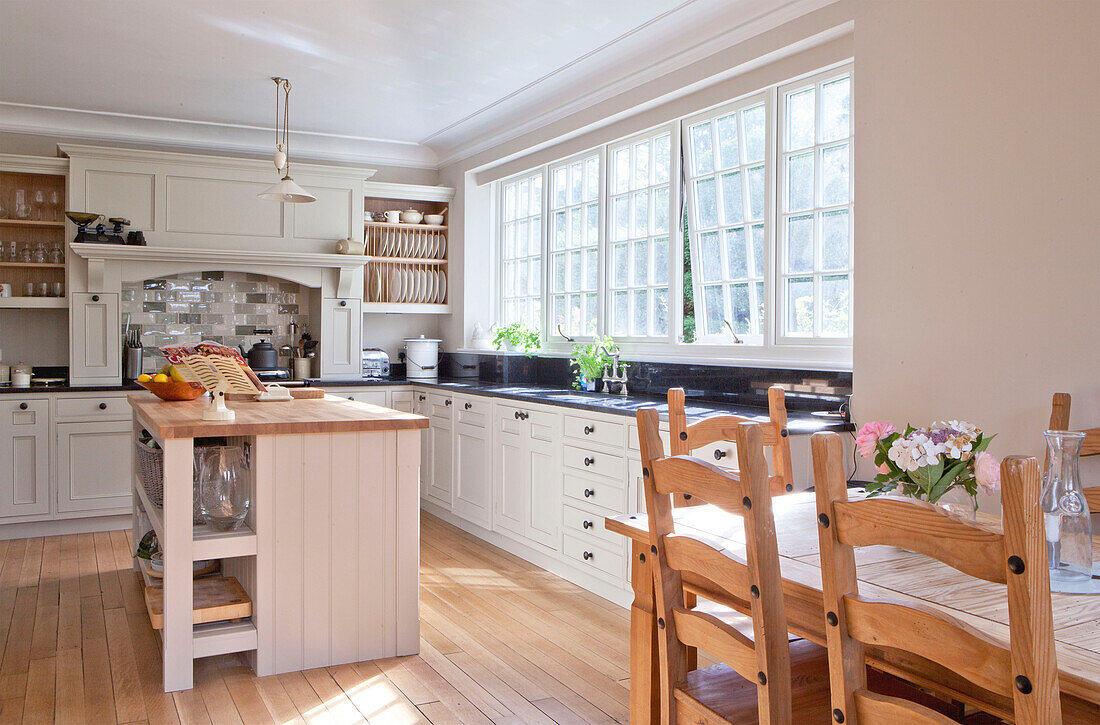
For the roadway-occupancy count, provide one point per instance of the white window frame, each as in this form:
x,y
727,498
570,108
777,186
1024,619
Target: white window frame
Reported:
x,y
781,308
549,323
500,261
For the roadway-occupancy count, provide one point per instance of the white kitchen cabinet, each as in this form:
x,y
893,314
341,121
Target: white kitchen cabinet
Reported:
x,y
94,342
24,457
527,474
473,483
402,400
94,465
341,337
420,407
440,489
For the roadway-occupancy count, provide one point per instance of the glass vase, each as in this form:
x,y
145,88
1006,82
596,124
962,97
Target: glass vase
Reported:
x,y
1065,512
225,487
958,502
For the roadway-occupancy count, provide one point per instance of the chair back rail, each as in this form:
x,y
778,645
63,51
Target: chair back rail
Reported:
x,y
1059,420
764,660
1026,670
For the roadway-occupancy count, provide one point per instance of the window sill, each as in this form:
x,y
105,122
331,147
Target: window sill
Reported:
x,y
708,356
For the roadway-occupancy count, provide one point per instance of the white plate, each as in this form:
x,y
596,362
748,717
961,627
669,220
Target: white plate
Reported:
x,y
442,296
414,286
425,287
410,294
442,247
433,286
378,284
396,279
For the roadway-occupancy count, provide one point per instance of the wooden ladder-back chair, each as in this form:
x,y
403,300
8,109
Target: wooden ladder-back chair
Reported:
x,y
1024,672
686,438
1059,420
753,683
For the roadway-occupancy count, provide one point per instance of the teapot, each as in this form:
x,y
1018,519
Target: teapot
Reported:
x,y
411,216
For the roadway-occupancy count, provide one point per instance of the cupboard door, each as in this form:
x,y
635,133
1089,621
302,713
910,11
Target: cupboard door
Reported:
x,y
511,484
472,482
544,497
439,486
106,485
419,403
402,400
24,457
341,336
95,345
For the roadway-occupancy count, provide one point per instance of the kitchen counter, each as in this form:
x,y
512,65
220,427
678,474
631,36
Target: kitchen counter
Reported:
x,y
34,389
798,422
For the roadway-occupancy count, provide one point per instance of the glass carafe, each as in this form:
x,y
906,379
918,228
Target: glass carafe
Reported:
x,y
225,487
1065,512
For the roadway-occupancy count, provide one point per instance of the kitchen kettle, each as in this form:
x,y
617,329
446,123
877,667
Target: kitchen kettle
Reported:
x,y
262,356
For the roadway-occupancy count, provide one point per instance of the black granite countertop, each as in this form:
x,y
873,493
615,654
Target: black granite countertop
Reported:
x,y
798,422
66,388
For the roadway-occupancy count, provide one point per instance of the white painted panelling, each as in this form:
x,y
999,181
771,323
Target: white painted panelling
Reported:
x,y
121,194
94,330
24,456
104,484
327,218
230,207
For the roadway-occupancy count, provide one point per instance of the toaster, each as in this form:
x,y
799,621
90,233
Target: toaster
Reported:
x,y
376,363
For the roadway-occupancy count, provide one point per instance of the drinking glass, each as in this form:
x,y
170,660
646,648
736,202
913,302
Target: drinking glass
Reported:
x,y
22,208
25,254
55,204
28,289
39,207
41,289
224,487
40,253
56,255
57,289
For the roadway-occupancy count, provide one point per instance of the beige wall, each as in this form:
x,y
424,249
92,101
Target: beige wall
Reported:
x,y
977,254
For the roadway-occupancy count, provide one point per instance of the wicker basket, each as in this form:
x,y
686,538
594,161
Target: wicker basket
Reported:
x,y
150,462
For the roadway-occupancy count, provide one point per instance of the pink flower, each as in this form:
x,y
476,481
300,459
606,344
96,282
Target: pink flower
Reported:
x,y
870,434
882,468
987,470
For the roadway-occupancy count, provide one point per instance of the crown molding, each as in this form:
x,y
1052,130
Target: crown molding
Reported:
x,y
96,126
24,164
390,190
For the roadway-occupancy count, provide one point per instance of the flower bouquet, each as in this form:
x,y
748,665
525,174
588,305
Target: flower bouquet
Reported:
x,y
929,463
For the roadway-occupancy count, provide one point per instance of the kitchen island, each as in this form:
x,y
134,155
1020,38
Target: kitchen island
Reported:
x,y
329,551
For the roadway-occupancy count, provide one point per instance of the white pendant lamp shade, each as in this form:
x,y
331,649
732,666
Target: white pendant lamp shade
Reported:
x,y
288,191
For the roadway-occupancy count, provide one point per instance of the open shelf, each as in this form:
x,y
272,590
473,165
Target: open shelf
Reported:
x,y
222,638
214,600
207,543
31,223
404,260
53,303
32,265
405,225
413,308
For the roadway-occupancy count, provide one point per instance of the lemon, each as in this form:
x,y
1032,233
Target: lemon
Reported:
x,y
144,378
165,368
160,378
175,374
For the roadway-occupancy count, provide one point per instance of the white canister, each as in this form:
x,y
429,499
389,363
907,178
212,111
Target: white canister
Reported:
x,y
20,379
421,357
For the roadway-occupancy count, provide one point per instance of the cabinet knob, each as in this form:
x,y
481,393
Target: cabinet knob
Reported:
x,y
589,493
351,397
447,401
468,406
587,524
517,415
587,555
524,416
343,303
719,454
103,406
588,430
22,406
95,298
589,461
421,398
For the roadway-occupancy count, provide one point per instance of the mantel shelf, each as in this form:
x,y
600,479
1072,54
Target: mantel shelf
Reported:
x,y
209,257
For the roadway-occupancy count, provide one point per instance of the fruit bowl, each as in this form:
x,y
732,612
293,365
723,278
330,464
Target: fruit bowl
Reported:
x,y
173,390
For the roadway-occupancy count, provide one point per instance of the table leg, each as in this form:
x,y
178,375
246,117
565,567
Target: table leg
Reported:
x,y
178,654
645,668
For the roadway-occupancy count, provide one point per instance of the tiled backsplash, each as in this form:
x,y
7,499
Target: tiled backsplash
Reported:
x,y
221,306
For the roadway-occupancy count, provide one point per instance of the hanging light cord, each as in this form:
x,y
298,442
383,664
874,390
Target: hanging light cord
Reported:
x,y
286,124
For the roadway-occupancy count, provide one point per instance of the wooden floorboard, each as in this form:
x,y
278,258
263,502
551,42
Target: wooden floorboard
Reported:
x,y
502,642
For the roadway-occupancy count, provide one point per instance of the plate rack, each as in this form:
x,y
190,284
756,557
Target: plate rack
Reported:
x,y
405,280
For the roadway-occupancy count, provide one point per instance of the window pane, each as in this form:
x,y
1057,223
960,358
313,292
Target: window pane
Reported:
x,y
622,218
575,313
742,311
660,210
622,171
593,217
521,238
521,278
712,300
660,159
621,313
641,312
800,306
660,311
621,262
800,244
834,239
800,119
733,205
759,303
641,165
836,99
752,120
737,253
536,196
559,272
576,227
590,314
641,262
509,201
559,311
758,250
576,183
522,200
660,260
534,279
728,154
592,179
575,270
706,205
834,305
591,269
701,151
756,192
534,241
561,230
834,175
800,182
639,224
510,279
710,266
510,240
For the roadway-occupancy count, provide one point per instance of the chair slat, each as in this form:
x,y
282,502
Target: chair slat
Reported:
x,y
684,474
707,632
1091,445
692,556
934,636
966,546
874,708
724,428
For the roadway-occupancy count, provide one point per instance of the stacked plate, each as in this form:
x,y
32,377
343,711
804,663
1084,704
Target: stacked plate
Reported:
x,y
402,284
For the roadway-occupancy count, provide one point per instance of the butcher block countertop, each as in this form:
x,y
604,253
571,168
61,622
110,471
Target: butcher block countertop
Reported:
x,y
183,419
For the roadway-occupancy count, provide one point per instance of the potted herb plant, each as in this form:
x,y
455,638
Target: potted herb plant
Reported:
x,y
590,360
517,337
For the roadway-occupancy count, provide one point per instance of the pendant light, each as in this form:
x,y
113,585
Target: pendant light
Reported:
x,y
286,190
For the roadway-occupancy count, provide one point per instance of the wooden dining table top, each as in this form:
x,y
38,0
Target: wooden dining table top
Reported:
x,y
889,572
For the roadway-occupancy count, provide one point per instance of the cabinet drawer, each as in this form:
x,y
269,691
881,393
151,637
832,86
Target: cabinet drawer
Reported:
x,y
595,431
25,413
440,406
596,462
472,411
585,553
585,523
101,407
595,492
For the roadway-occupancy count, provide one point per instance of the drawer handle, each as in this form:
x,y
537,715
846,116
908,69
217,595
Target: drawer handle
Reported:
x,y
587,555
22,406
719,454
95,298
589,493
103,406
343,303
447,401
524,416
589,461
589,430
421,398
517,415
468,406
587,524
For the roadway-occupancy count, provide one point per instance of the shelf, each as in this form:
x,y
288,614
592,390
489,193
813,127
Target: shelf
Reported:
x,y
223,638
407,308
32,223
405,225
404,260
31,265
55,303
214,600
206,542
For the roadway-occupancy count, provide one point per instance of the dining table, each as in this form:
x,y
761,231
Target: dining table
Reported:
x,y
883,572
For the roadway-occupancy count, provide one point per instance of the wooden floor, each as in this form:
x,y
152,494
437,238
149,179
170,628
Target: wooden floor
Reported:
x,y
501,642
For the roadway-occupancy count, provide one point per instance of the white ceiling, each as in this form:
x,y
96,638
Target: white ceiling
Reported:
x,y
393,76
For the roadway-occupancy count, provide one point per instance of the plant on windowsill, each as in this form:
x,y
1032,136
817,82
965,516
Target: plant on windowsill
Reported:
x,y
590,361
517,337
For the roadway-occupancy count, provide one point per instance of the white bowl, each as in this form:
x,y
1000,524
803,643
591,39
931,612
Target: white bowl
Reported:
x,y
436,219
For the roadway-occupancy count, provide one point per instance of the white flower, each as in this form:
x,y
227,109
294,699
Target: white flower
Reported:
x,y
914,452
961,426
959,447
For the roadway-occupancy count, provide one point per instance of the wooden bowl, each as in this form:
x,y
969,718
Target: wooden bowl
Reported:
x,y
174,391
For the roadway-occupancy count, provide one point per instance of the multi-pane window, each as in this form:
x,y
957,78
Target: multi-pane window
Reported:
x,y
521,256
815,220
574,203
727,182
638,234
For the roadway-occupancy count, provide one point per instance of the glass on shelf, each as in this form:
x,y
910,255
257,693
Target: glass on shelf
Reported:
x,y
40,253
25,254
28,289
22,208
41,289
224,487
9,252
55,204
56,255
57,289
39,205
